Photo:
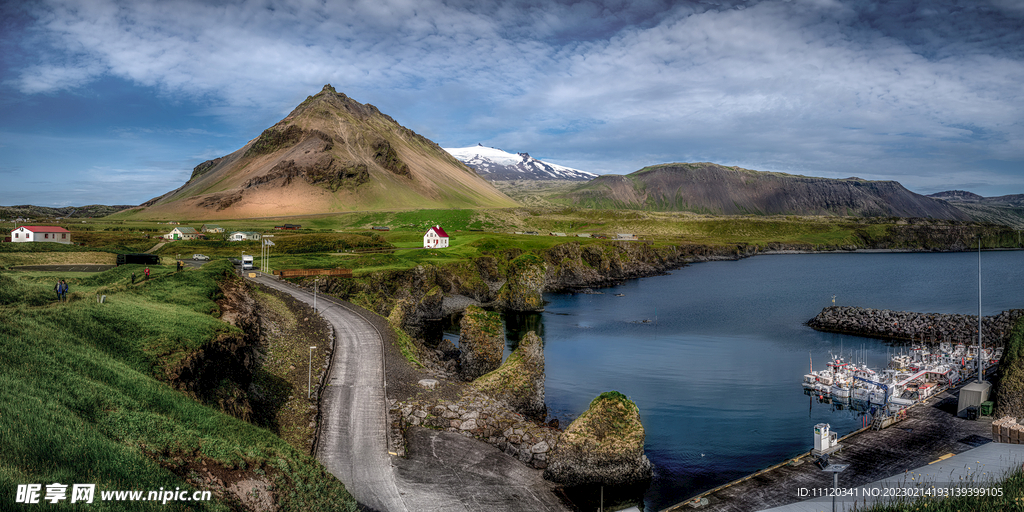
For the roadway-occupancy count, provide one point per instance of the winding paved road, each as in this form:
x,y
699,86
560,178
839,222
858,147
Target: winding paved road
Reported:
x,y
443,471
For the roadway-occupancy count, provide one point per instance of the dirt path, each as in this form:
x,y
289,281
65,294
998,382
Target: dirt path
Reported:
x,y
155,247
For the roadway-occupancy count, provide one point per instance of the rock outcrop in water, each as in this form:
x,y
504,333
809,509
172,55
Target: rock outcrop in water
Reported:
x,y
523,289
927,327
603,446
481,341
520,380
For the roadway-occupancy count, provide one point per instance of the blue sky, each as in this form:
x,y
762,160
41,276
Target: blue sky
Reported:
x,y
115,102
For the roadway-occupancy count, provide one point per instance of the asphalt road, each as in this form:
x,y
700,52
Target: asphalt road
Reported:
x,y
443,472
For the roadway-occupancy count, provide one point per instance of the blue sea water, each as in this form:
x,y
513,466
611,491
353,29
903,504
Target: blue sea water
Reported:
x,y
713,354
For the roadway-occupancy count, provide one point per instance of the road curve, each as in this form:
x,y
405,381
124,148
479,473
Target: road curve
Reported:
x,y
444,472
353,435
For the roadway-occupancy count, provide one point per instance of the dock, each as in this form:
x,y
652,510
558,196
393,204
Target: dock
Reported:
x,y
930,432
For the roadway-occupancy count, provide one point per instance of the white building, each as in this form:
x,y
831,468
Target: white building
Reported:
x,y
41,234
435,238
183,233
241,236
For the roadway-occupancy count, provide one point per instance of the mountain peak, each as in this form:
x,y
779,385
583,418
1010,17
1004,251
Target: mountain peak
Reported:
x,y
330,153
495,164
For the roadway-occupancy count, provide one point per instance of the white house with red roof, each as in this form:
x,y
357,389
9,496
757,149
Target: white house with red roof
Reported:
x,y
41,234
435,238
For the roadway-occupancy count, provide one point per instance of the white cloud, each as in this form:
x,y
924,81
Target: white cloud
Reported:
x,y
805,86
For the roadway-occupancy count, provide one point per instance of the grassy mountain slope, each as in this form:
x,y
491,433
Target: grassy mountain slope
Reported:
x,y
330,154
715,189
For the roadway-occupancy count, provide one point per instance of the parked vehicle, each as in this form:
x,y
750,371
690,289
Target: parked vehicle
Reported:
x,y
247,262
200,257
140,259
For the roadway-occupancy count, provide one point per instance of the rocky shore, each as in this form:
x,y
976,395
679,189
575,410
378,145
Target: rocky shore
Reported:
x,y
922,327
478,415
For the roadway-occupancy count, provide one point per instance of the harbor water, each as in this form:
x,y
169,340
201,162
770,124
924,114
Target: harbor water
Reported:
x,y
714,353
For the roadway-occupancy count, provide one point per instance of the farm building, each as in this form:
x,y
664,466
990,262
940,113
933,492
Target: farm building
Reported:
x,y
289,226
211,228
435,238
183,233
41,234
241,236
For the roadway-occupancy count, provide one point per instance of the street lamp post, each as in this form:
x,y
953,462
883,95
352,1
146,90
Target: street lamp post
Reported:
x,y
835,469
309,384
316,286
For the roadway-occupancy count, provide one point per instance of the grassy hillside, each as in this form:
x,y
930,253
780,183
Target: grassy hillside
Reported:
x,y
83,397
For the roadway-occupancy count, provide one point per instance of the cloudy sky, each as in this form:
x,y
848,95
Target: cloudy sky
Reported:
x,y
115,102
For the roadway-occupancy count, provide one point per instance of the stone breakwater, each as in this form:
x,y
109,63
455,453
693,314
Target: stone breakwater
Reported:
x,y
925,327
477,415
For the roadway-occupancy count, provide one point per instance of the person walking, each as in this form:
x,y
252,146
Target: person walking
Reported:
x,y
56,288
147,273
64,292
133,277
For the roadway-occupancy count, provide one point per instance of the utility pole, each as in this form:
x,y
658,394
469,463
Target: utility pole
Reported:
x,y
316,286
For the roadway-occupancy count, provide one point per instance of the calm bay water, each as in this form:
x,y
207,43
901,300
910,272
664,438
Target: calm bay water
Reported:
x,y
714,353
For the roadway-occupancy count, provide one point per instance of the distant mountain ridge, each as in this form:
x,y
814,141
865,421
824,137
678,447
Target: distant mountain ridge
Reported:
x,y
35,212
330,154
1007,210
715,189
495,164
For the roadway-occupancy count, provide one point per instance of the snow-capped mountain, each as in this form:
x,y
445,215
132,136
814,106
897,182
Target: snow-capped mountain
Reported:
x,y
495,164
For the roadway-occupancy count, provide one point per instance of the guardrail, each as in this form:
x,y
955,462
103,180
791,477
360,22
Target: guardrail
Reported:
x,y
306,272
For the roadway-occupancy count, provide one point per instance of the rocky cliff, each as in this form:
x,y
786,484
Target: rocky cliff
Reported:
x,y
604,445
525,284
481,342
520,380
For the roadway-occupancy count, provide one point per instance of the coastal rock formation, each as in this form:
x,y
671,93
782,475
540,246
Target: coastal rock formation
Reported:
x,y
482,342
523,290
478,415
520,381
926,327
605,446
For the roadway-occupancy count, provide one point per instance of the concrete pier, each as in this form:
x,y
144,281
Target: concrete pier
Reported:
x,y
931,431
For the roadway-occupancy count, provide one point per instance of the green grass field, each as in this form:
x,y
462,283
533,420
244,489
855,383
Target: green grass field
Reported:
x,y
83,397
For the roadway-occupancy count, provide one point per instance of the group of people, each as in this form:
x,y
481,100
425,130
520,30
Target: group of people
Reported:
x,y
62,290
145,274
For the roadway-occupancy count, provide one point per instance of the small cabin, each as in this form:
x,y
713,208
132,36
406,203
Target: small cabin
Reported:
x,y
435,238
41,234
211,228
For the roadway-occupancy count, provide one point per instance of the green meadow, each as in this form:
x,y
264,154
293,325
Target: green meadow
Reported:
x,y
84,396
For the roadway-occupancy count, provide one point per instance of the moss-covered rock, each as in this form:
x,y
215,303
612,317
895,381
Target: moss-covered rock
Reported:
x,y
520,381
604,446
430,305
482,342
524,289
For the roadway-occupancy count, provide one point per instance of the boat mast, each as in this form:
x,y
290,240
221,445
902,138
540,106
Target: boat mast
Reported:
x,y
980,375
